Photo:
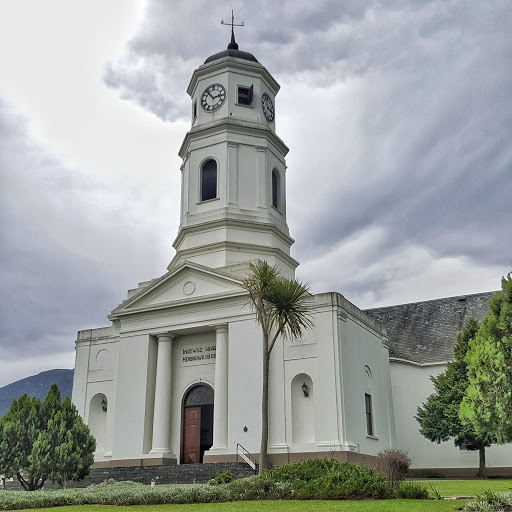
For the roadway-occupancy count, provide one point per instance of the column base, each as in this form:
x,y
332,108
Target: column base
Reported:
x,y
278,448
147,460
332,445
218,454
161,453
217,449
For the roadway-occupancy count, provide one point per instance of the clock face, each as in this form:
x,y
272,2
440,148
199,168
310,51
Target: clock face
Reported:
x,y
213,97
268,106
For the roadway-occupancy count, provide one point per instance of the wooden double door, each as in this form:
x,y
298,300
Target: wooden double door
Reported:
x,y
197,416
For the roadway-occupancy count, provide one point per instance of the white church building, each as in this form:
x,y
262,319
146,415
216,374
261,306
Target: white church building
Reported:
x,y
177,376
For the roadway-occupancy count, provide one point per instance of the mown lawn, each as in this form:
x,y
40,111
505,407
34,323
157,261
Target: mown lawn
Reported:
x,y
280,506
445,487
467,487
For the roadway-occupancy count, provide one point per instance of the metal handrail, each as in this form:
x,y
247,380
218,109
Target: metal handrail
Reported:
x,y
246,457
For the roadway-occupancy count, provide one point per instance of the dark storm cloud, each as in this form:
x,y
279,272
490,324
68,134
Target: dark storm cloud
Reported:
x,y
175,39
63,248
397,113
435,166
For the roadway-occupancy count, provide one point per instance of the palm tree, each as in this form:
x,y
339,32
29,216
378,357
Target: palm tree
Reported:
x,y
282,307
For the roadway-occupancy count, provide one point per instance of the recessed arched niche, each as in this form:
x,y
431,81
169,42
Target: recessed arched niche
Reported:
x,y
98,409
303,412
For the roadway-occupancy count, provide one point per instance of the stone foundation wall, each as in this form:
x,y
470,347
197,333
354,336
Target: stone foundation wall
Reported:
x,y
176,474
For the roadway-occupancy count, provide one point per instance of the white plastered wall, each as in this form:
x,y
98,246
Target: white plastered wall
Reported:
x,y
411,386
95,374
133,405
244,385
360,347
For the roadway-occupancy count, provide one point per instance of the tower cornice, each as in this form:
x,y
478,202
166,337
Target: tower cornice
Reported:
x,y
233,223
233,126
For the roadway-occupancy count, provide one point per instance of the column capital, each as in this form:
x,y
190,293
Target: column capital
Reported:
x,y
165,336
219,328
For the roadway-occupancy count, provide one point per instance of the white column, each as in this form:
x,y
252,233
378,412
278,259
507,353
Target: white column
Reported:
x,y
220,406
232,174
162,411
263,193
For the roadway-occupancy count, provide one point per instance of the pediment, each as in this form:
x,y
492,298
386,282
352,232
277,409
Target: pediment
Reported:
x,y
188,283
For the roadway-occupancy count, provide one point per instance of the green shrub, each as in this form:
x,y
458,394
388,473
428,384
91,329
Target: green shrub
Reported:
x,y
258,488
410,491
317,479
221,478
435,493
490,502
131,493
328,479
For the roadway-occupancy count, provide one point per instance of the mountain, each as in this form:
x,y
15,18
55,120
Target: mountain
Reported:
x,y
36,385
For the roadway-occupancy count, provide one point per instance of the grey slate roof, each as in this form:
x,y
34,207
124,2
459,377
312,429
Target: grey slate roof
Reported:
x,y
424,332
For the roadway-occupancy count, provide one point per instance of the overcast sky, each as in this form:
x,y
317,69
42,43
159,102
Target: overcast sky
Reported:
x,y
398,115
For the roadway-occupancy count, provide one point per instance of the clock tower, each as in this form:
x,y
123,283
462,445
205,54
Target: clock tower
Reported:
x,y
233,187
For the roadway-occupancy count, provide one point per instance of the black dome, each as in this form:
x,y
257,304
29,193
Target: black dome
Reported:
x,y
231,52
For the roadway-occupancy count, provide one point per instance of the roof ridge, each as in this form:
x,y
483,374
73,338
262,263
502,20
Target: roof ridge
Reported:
x,y
464,295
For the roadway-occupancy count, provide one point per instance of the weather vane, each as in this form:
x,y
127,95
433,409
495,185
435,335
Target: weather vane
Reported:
x,y
233,44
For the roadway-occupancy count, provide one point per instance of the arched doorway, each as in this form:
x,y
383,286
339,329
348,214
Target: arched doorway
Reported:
x,y
197,421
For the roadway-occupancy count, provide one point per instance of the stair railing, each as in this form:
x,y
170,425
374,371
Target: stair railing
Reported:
x,y
246,457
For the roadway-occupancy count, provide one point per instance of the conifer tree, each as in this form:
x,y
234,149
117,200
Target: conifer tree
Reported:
x,y
41,440
439,415
487,405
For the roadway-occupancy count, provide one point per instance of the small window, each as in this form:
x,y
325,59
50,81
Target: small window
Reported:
x,y
245,95
194,111
369,419
209,180
275,188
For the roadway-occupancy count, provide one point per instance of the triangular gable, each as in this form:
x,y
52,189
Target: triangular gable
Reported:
x,y
188,283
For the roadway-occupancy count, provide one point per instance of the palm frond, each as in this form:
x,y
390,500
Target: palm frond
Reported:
x,y
290,305
280,304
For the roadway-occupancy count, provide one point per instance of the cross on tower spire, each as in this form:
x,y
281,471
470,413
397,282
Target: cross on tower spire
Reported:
x,y
232,45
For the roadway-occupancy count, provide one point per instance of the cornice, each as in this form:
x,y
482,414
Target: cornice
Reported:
x,y
414,363
249,225
336,301
184,265
234,246
176,304
234,126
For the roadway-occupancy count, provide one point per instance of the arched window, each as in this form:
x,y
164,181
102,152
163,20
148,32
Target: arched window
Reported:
x,y
368,403
199,395
275,188
209,180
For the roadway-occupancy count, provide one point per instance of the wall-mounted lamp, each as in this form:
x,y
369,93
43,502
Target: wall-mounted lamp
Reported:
x,y
104,405
305,389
